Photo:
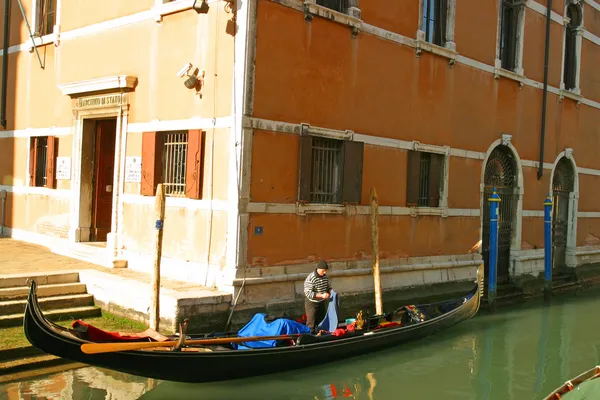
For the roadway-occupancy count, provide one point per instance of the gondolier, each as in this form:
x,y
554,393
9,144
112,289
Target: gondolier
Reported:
x,y
317,289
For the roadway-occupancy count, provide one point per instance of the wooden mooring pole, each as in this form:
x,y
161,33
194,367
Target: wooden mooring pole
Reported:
x,y
375,247
159,208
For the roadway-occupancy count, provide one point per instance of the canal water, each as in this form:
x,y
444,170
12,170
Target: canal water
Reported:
x,y
518,353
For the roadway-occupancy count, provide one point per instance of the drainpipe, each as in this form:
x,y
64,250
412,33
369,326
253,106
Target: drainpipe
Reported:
x,y
5,64
545,92
3,211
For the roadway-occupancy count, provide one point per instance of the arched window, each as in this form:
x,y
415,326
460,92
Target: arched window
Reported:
x,y
570,67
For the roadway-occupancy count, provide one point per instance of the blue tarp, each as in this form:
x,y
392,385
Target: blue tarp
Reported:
x,y
259,327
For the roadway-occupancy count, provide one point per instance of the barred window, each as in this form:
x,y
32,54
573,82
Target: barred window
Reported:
x,y
330,170
174,157
424,179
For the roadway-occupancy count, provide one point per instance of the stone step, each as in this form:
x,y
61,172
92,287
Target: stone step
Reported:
x,y
54,315
62,289
48,303
16,280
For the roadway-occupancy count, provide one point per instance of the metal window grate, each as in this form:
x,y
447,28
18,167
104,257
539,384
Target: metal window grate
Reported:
x,y
174,163
336,5
326,168
41,156
425,167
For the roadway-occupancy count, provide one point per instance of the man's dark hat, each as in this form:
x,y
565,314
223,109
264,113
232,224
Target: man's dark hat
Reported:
x,y
322,265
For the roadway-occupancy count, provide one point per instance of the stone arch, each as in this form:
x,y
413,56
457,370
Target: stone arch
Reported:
x,y
564,189
515,194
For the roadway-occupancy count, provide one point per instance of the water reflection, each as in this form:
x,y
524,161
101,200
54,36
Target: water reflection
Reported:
x,y
522,353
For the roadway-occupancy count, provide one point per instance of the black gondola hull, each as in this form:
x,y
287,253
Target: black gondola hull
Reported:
x,y
196,367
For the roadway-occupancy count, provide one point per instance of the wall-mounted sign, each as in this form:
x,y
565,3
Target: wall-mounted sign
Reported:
x,y
63,168
109,100
133,169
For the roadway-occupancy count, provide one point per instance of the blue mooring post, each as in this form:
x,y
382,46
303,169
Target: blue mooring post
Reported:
x,y
548,247
493,261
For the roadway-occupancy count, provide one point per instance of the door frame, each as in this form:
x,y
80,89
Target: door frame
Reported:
x,y
515,245
570,256
81,206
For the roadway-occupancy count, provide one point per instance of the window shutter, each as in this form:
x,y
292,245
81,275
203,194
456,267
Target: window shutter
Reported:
x,y
193,172
305,168
151,163
32,160
39,18
412,178
435,178
51,161
352,172
443,19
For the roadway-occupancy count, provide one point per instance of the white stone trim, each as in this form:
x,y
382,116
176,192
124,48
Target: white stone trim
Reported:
x,y
588,214
533,213
22,189
114,82
306,129
541,9
31,132
591,37
178,202
180,124
593,4
352,19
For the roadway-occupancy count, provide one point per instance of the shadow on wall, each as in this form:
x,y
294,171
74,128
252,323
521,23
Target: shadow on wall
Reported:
x,y
10,160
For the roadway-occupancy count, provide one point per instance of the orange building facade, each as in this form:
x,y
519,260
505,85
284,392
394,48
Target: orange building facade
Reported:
x,y
291,112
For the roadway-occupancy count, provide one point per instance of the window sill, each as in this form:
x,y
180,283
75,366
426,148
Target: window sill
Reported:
x,y
316,208
171,8
45,40
515,76
572,94
423,45
311,9
429,211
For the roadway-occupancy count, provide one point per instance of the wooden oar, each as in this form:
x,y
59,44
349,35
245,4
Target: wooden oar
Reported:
x,y
94,348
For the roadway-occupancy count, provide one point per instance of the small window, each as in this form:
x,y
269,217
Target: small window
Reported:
x,y
336,5
45,17
174,159
509,17
424,179
570,67
435,16
330,170
42,159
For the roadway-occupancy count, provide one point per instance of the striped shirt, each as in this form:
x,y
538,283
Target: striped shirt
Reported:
x,y
313,284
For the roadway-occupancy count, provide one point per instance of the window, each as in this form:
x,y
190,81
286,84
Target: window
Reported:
x,y
424,179
571,37
336,5
45,17
510,15
435,15
330,170
175,160
42,161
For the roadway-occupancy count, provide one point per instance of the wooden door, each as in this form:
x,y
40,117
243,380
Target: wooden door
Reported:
x,y
104,161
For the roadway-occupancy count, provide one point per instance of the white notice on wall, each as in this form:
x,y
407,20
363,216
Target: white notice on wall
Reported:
x,y
133,169
63,168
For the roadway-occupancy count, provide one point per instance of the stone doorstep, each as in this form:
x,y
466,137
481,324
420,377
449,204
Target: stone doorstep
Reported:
x,y
47,278
129,297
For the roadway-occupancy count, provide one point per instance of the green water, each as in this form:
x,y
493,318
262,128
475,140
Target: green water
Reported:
x,y
523,352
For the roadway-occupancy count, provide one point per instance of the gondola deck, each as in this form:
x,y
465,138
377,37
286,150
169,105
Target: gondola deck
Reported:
x,y
201,364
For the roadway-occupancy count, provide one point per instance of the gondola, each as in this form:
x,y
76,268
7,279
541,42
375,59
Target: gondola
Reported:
x,y
219,363
583,386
